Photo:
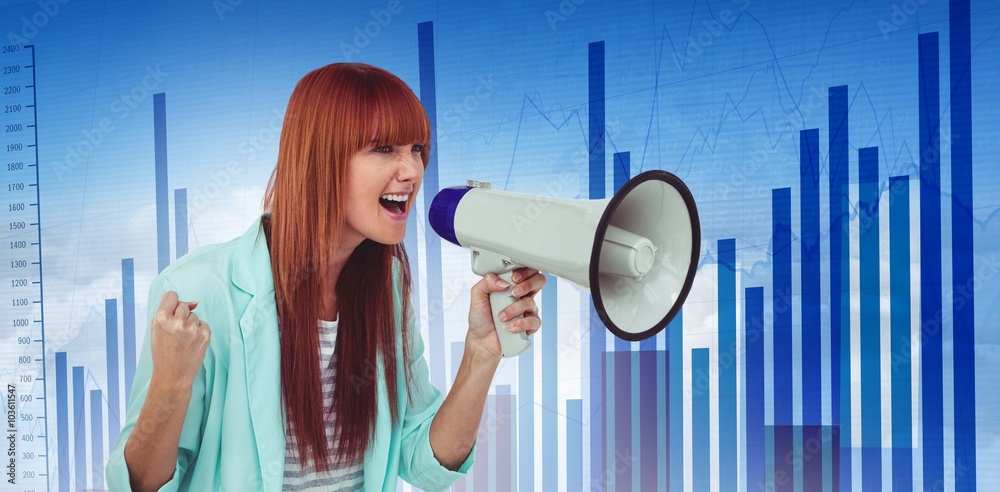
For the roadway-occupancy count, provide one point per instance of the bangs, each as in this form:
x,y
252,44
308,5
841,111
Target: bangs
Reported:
x,y
334,112
394,115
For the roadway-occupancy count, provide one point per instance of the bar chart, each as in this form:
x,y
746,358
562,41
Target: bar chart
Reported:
x,y
790,450
113,394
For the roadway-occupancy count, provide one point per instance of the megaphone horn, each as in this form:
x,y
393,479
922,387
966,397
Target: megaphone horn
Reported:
x,y
636,252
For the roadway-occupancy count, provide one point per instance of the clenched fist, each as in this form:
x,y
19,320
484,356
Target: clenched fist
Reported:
x,y
178,343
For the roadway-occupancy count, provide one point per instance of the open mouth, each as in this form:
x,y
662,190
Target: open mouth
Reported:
x,y
393,205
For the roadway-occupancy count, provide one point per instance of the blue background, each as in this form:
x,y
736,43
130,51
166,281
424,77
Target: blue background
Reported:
x,y
713,91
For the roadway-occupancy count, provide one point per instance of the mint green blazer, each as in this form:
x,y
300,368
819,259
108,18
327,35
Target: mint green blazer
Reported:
x,y
234,431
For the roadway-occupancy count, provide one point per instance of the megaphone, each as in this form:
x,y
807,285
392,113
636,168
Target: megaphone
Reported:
x,y
636,252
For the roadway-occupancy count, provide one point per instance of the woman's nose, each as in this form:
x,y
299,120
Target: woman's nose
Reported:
x,y
410,167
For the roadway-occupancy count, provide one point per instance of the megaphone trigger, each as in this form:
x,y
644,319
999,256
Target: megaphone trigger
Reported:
x,y
484,262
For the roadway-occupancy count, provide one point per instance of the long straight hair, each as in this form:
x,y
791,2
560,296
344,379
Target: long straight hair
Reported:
x,y
334,112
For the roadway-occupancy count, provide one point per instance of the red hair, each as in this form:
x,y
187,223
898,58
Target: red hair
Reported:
x,y
334,112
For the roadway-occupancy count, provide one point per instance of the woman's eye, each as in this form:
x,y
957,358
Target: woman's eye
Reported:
x,y
417,148
385,149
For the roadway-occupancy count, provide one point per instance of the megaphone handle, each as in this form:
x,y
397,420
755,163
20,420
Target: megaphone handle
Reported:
x,y
511,344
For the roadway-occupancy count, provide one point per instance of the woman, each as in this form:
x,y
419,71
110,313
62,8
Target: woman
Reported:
x,y
237,388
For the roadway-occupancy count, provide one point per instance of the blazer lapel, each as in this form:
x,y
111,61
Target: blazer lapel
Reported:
x,y
251,273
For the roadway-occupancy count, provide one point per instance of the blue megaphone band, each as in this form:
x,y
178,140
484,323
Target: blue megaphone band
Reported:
x,y
442,213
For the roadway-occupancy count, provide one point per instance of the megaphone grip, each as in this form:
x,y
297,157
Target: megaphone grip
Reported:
x,y
511,344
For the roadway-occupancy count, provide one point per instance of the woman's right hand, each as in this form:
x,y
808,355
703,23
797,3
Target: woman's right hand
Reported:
x,y
178,343
178,340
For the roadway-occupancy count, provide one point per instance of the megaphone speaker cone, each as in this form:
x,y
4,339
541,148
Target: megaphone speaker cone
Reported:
x,y
637,298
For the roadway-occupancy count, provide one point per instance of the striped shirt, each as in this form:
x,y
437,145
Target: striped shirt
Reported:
x,y
341,476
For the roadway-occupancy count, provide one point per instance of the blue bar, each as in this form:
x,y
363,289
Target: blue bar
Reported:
x,y
932,393
607,398
411,245
621,176
128,325
62,421
181,221
648,410
79,429
676,399
550,382
595,147
753,340
595,86
574,445
481,467
784,458
505,470
648,405
962,257
435,289
798,453
701,437
635,415
525,445
622,169
597,397
871,381
812,359
781,204
899,298
727,365
622,421
813,440
96,438
769,483
111,340
663,418
429,100
782,304
829,472
840,276
904,480
162,197
836,459
769,458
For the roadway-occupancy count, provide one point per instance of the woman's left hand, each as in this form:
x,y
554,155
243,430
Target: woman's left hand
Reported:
x,y
482,332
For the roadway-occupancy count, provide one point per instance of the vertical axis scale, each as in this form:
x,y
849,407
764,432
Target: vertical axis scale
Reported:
x,y
38,229
26,424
